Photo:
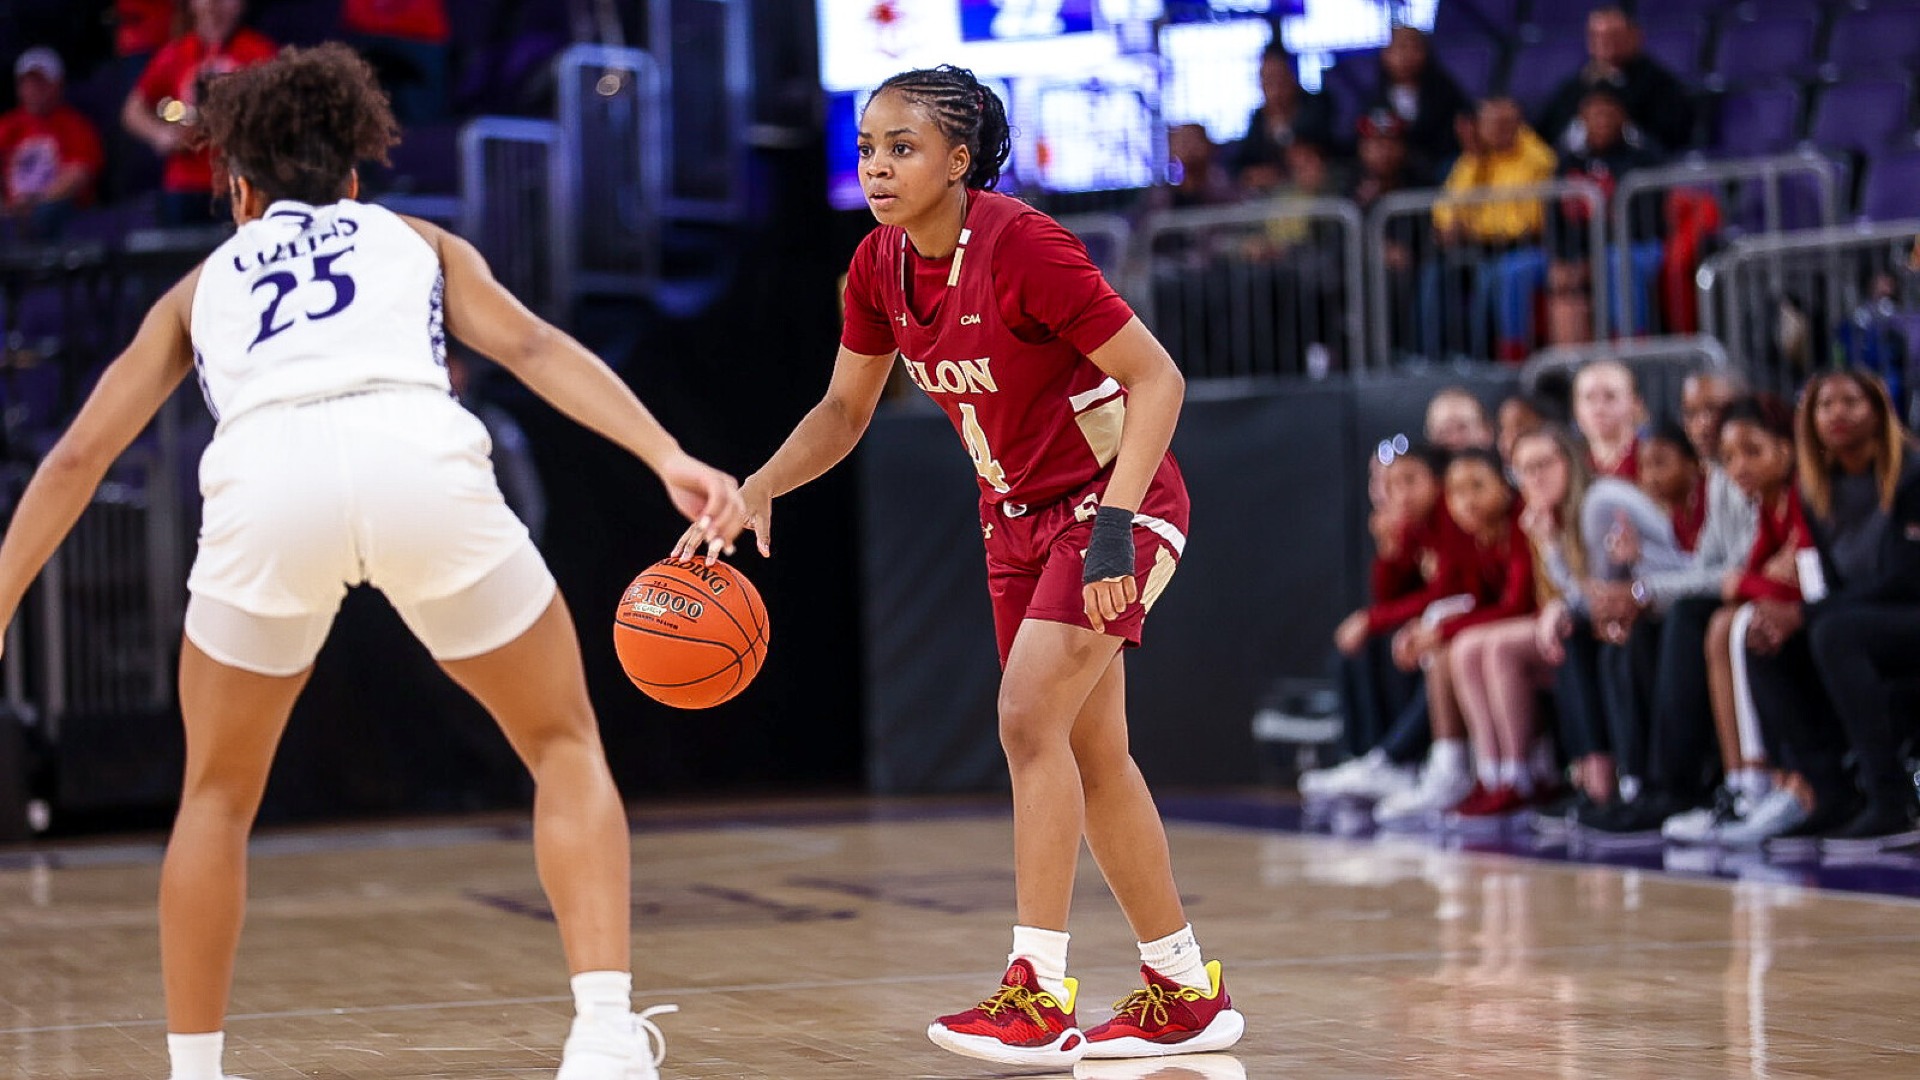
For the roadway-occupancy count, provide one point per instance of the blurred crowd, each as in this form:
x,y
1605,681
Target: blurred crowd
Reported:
x,y
104,94
1695,628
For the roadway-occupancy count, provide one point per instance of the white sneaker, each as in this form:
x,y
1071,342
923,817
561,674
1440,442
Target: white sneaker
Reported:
x,y
1439,790
1773,815
1700,826
1368,777
622,1047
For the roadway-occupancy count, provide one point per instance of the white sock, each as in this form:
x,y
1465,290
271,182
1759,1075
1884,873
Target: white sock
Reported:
x,y
1177,956
1513,774
1753,783
1046,950
1448,756
603,993
1488,773
196,1057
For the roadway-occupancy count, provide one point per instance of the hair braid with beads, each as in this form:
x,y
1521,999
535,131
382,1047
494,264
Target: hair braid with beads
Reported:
x,y
966,111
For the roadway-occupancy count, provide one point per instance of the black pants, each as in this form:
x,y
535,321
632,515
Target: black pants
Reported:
x,y
1859,650
1576,695
1373,693
1626,675
1411,735
1801,731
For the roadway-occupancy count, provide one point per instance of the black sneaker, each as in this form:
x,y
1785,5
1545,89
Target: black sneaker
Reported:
x,y
1877,827
1641,817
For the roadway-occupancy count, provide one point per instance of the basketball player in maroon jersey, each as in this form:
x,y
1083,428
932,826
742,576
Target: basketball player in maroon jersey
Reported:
x,y
1066,404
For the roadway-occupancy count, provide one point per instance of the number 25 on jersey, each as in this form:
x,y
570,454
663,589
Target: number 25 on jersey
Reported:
x,y
285,282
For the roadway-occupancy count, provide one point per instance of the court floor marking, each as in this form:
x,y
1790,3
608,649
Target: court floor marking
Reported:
x,y
668,993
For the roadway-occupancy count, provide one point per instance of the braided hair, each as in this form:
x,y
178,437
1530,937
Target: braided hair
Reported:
x,y
966,111
297,126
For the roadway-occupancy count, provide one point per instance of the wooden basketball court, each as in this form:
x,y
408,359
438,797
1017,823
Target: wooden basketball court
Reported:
x,y
813,941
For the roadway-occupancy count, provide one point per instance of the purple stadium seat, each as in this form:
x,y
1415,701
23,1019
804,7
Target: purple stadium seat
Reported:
x,y
1677,47
1797,205
1558,14
1760,120
1541,67
1865,116
1470,61
1892,190
1864,40
298,22
1775,47
1456,18
1699,12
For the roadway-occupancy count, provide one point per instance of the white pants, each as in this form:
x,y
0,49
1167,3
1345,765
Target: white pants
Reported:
x,y
391,488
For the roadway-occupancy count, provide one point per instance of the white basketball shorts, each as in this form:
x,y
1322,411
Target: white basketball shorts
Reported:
x,y
389,487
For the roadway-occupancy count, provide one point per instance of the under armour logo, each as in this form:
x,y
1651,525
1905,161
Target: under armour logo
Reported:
x,y
901,318
986,529
1181,947
1088,509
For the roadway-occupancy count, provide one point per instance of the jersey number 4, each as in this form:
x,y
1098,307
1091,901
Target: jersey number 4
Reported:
x,y
284,282
989,469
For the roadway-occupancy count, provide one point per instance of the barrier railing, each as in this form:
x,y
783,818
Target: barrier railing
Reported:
x,y
1660,365
1781,304
1471,292
613,133
518,208
1109,240
1746,196
1266,288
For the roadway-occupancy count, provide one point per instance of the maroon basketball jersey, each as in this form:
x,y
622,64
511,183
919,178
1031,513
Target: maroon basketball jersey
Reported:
x,y
1039,419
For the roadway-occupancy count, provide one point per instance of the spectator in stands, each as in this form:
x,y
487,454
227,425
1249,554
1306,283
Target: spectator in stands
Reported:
x,y
1384,168
1286,113
161,110
49,153
1415,89
406,42
140,27
1410,528
1874,339
1607,410
1821,668
1658,108
1500,668
1520,415
1198,178
1674,608
1497,241
1758,449
1457,421
1603,158
1488,577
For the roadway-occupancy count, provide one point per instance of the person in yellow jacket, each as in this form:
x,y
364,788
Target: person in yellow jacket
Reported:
x,y
1501,153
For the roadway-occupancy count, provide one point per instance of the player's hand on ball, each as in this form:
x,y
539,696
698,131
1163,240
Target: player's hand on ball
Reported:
x,y
710,499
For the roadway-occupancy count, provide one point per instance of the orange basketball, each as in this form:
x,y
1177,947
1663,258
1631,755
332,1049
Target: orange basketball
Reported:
x,y
691,635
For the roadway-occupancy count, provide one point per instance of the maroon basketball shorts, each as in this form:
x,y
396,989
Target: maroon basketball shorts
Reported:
x,y
1035,555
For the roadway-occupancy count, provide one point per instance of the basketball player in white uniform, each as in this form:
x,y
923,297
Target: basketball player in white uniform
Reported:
x,y
341,458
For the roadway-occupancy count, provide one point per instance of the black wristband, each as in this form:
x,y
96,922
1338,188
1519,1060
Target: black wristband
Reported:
x,y
1110,551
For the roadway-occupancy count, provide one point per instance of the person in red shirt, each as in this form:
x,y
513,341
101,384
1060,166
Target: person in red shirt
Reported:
x,y
406,41
141,27
1066,404
49,153
1608,412
162,110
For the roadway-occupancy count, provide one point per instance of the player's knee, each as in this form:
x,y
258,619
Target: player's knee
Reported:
x,y
1026,733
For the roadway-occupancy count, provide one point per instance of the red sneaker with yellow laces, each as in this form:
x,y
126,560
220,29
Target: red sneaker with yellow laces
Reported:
x,y
1019,1025
1165,1018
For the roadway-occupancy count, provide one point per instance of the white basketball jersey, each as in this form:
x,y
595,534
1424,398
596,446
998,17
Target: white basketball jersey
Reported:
x,y
313,301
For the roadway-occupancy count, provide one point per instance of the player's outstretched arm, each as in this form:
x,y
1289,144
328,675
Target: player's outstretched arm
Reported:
x,y
481,312
825,436
131,390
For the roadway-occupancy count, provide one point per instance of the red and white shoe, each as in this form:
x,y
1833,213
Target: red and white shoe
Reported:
x,y
1165,1017
1020,1025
